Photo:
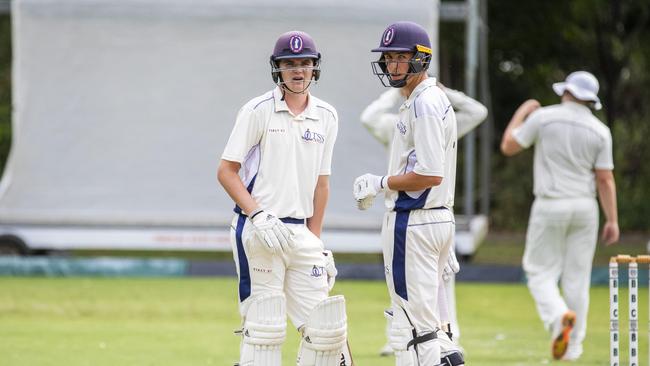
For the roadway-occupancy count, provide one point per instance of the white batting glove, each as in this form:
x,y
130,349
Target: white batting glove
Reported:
x,y
272,232
451,267
366,187
330,268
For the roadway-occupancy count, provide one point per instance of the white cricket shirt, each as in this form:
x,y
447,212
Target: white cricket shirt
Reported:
x,y
424,142
379,119
570,142
282,155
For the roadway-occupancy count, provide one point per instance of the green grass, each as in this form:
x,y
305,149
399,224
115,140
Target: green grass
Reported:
x,y
508,248
94,321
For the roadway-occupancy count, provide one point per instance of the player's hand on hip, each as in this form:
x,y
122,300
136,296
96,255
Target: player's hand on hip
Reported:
x,y
366,187
610,233
271,232
330,268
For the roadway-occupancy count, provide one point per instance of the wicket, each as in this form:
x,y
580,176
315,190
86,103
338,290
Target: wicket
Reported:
x,y
633,276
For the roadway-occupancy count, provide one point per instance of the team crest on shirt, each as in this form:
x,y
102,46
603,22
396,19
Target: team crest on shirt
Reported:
x,y
401,127
317,271
313,136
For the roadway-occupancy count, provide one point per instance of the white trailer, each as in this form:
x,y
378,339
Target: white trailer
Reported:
x,y
122,109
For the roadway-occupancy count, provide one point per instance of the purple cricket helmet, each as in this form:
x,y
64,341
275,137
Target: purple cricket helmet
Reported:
x,y
403,36
294,44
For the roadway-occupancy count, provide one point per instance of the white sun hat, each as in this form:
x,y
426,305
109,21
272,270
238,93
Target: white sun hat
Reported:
x,y
581,84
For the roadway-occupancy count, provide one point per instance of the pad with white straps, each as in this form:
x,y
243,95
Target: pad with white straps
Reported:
x,y
324,335
399,335
264,331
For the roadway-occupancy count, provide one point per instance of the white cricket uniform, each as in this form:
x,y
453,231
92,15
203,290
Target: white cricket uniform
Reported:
x,y
418,228
379,119
570,142
282,156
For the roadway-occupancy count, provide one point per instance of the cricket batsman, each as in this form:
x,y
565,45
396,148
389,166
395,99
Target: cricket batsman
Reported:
x,y
418,227
276,167
379,118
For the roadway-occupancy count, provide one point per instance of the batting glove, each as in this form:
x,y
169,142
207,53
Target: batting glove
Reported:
x,y
330,268
451,267
366,187
272,232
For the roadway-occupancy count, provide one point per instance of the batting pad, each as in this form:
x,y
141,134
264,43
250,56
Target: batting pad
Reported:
x,y
400,334
264,331
324,335
447,346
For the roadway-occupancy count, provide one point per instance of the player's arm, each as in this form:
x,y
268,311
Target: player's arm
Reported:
x,y
228,176
321,195
607,197
367,186
412,181
469,112
428,171
509,145
378,118
246,133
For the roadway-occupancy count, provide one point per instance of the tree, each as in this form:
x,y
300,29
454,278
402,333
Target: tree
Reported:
x,y
532,45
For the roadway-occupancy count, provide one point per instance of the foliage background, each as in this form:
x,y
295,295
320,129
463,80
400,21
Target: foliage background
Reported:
x,y
533,44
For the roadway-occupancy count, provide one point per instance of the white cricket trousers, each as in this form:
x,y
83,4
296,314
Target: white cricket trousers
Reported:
x,y
560,245
416,245
299,274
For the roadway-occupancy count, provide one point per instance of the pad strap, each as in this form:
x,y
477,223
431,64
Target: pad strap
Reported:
x,y
452,359
421,339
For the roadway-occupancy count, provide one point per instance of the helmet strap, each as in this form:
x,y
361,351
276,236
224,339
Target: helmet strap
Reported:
x,y
283,86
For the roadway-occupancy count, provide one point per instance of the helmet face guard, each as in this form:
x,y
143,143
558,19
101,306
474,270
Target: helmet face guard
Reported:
x,y
418,63
294,45
403,37
276,73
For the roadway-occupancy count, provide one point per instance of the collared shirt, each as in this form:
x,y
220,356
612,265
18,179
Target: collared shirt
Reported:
x,y
282,155
570,142
424,142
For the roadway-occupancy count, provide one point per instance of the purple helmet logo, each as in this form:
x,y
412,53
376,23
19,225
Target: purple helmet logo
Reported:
x,y
389,34
295,44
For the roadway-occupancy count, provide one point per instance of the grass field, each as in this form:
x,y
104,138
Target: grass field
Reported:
x,y
95,321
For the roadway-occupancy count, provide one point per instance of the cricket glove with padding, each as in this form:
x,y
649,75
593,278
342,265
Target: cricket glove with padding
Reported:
x,y
451,267
366,187
271,232
330,268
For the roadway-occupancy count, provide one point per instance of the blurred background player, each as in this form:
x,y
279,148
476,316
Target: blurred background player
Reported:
x,y
282,266
379,117
418,229
573,160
